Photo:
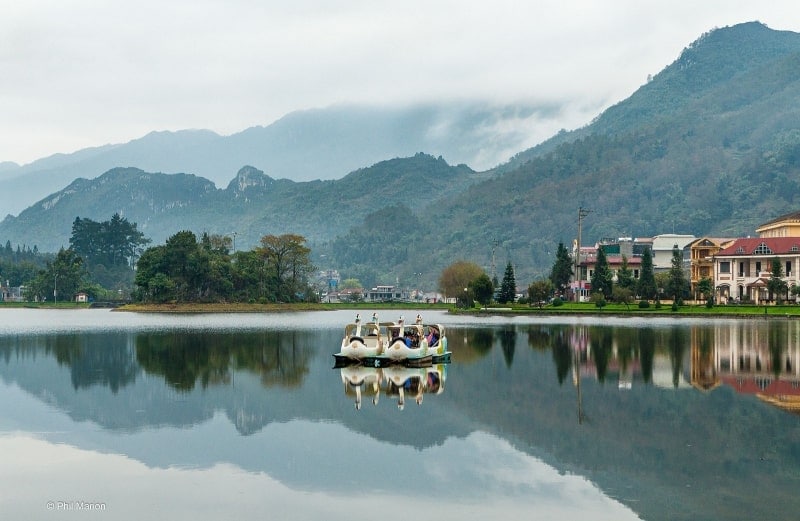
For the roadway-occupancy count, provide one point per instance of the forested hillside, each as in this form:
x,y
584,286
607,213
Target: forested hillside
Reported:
x,y
251,206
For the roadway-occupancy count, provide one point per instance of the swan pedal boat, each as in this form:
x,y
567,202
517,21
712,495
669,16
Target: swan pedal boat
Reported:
x,y
361,341
392,345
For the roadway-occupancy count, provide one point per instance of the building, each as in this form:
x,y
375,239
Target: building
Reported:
x,y
387,294
662,247
10,293
743,269
701,259
614,249
787,225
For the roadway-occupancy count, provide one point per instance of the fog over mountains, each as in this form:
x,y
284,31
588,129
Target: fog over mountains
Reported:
x,y
302,146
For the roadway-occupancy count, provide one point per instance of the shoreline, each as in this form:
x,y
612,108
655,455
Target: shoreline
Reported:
x,y
773,312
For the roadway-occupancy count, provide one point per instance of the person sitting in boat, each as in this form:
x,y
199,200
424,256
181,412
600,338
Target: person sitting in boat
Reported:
x,y
408,339
419,319
374,318
433,336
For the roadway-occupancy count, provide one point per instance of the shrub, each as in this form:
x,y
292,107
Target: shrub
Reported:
x,y
599,300
674,306
643,304
557,302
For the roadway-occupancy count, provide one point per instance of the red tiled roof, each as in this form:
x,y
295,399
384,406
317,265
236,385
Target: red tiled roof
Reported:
x,y
778,246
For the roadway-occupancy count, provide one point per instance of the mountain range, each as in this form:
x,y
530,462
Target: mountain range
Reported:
x,y
302,146
709,146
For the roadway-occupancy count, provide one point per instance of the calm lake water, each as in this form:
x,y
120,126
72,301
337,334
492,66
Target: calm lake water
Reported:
x,y
145,416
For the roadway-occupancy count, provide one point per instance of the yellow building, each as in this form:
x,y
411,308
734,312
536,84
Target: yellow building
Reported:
x,y
702,253
787,225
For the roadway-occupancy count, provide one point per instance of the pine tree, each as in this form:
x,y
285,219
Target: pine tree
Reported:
x,y
601,278
508,288
625,275
677,281
561,273
646,287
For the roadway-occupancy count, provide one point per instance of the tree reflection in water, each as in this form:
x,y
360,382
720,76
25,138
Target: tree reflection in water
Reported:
x,y
183,359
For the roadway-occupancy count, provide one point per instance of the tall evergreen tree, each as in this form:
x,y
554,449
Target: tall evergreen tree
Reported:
x,y
601,278
625,275
646,287
508,288
676,287
776,285
561,273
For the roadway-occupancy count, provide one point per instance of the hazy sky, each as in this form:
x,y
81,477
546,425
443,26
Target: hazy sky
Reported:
x,y
89,72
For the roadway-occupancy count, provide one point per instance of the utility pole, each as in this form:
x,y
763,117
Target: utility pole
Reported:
x,y
495,242
582,212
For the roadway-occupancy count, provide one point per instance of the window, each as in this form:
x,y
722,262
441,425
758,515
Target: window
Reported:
x,y
725,267
762,249
758,268
795,249
788,270
741,269
635,274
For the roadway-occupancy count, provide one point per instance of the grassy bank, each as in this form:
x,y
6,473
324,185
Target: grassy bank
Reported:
x,y
272,308
44,305
572,308
568,308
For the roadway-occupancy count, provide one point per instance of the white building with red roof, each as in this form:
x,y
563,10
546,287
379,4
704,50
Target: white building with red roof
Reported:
x,y
743,269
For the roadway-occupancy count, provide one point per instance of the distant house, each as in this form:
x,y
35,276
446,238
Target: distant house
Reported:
x,y
387,294
663,246
614,249
81,297
12,293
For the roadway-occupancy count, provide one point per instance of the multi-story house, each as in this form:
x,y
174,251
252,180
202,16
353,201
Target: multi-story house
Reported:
x,y
662,246
701,259
743,269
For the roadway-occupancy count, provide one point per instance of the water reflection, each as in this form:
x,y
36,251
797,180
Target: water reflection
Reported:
x,y
393,381
667,416
763,360
184,359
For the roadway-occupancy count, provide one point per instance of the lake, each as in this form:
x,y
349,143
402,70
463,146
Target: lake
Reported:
x,y
155,416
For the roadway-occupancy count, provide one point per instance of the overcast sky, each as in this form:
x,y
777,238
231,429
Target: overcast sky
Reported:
x,y
89,72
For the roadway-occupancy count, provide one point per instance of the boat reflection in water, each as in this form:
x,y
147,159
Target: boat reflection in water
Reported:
x,y
395,381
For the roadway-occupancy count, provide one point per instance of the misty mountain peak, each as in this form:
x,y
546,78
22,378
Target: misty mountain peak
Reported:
x,y
249,177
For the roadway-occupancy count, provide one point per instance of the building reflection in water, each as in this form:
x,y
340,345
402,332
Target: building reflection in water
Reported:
x,y
762,359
